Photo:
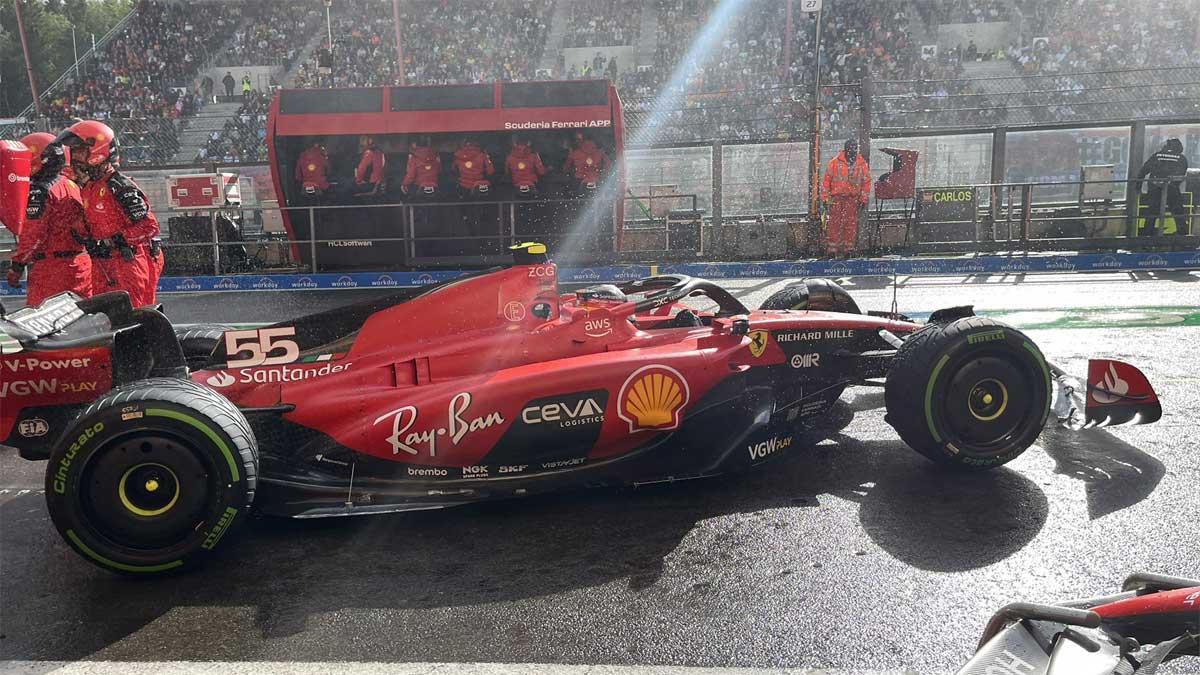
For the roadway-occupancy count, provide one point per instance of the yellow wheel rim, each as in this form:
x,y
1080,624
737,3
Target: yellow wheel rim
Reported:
x,y
987,391
151,485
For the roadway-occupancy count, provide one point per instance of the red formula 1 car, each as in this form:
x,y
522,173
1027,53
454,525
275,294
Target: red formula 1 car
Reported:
x,y
1155,619
492,385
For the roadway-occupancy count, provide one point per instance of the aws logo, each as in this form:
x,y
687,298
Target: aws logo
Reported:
x,y
653,398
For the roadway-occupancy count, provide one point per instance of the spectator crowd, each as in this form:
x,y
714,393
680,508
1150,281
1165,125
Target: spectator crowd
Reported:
x,y
243,139
603,23
146,71
749,79
272,33
444,43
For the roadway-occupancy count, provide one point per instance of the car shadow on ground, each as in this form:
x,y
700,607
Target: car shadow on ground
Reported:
x,y
1117,475
59,607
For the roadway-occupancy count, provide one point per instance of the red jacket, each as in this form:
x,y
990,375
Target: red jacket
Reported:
x,y
116,205
586,163
370,167
473,166
312,168
424,167
52,233
525,166
843,181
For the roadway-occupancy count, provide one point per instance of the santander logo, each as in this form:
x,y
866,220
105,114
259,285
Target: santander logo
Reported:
x,y
221,379
1113,388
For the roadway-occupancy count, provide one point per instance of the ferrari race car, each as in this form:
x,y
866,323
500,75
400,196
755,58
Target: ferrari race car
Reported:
x,y
1155,619
492,385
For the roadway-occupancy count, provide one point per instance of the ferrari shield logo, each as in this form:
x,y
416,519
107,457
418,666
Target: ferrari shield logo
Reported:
x,y
758,342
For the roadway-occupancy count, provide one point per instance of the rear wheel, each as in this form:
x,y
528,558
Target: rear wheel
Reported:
x,y
150,478
815,294
973,392
198,342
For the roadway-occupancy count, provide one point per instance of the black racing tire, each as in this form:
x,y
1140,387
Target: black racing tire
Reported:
x,y
815,294
970,393
149,479
792,296
198,342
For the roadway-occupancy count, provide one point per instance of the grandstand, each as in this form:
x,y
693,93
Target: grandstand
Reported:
x,y
936,64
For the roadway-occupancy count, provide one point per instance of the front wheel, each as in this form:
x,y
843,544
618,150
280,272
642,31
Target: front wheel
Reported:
x,y
150,478
973,393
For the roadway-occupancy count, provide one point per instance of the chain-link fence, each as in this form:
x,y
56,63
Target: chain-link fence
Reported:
x,y
145,141
1019,100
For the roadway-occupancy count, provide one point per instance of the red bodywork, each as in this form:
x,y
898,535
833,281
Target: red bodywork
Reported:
x,y
61,377
1182,600
440,379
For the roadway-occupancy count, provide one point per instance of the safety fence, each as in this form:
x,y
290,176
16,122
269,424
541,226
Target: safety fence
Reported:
x,y
1005,266
1031,99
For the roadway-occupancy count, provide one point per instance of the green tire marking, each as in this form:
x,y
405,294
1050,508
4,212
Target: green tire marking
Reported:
x,y
212,435
929,397
1045,371
116,565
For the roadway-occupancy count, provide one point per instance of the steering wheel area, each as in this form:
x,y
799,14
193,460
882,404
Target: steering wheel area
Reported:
x,y
670,288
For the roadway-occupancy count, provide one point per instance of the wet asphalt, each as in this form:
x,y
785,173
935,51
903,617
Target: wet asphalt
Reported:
x,y
854,553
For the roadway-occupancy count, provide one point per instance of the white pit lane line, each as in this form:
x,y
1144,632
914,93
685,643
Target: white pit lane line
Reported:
x,y
351,668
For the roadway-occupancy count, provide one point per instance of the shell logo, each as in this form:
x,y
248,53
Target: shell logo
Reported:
x,y
312,167
589,161
652,399
468,164
428,167
521,165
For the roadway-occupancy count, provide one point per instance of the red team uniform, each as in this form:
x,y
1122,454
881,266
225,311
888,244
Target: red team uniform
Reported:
x,y
125,255
312,170
586,163
52,241
424,167
370,169
473,166
525,167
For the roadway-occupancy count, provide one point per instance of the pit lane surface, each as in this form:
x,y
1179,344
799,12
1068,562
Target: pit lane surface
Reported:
x,y
855,555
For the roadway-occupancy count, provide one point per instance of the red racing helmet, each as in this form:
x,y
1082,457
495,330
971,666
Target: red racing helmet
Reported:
x,y
94,142
37,142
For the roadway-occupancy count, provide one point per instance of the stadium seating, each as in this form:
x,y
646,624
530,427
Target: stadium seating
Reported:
x,y
736,87
444,43
603,23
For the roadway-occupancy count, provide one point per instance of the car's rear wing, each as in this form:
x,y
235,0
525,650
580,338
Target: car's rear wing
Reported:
x,y
143,340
